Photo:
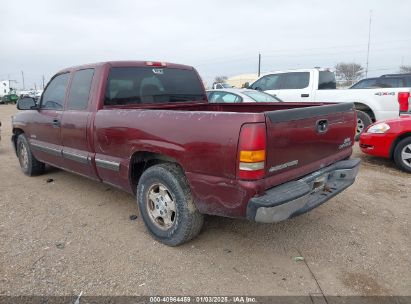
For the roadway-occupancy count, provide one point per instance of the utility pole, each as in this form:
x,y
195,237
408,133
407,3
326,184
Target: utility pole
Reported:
x,y
368,48
353,73
22,76
42,78
259,64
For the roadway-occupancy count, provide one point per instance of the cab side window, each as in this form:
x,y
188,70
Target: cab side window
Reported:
x,y
80,90
269,82
295,80
53,96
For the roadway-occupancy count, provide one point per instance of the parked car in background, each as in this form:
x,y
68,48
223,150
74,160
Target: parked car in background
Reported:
x,y
385,81
147,128
319,85
9,98
406,77
390,139
239,95
221,85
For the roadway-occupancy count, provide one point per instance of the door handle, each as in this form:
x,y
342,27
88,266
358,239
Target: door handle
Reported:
x,y
56,123
305,95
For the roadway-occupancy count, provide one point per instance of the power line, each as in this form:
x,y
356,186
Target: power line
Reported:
x,y
241,56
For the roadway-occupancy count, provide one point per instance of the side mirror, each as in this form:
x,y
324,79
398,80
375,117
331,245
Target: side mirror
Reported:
x,y
246,85
26,103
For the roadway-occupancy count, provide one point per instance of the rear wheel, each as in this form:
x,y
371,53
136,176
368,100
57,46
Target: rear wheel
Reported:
x,y
363,121
28,163
402,154
167,206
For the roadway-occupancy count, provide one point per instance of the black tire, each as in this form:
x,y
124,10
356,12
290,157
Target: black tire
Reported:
x,y
363,121
404,146
28,163
187,220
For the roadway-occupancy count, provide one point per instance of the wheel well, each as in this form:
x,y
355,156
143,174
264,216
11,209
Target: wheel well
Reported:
x,y
16,133
366,109
396,141
142,160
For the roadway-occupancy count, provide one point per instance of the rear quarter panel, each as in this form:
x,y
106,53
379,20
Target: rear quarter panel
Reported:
x,y
201,142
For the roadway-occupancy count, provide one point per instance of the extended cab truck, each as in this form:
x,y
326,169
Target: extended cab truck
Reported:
x,y
319,85
147,128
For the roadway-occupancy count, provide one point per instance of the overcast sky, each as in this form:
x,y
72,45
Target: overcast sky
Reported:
x,y
217,37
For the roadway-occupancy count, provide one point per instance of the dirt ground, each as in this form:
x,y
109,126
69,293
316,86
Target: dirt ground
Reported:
x,y
73,234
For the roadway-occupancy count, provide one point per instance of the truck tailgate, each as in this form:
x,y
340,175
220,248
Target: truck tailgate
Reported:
x,y
298,138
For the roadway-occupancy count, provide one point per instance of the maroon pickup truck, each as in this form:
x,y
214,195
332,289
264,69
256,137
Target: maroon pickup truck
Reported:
x,y
147,128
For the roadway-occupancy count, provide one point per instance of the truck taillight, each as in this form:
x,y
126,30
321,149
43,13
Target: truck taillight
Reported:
x,y
403,100
251,151
156,63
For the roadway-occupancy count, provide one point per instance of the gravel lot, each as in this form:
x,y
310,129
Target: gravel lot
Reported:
x,y
73,234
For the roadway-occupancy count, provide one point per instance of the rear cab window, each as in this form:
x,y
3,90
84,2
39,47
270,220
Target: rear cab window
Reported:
x,y
147,85
326,80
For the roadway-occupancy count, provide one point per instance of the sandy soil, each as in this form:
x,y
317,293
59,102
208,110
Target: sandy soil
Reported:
x,y
73,235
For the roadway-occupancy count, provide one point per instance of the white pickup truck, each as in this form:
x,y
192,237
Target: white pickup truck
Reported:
x,y
319,85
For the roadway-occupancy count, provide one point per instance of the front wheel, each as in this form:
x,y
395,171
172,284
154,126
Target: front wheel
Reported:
x,y
363,121
402,154
167,206
28,163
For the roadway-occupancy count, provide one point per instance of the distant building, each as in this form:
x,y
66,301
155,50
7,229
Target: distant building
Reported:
x,y
4,87
239,80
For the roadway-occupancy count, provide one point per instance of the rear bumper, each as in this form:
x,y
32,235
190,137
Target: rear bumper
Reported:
x,y
300,196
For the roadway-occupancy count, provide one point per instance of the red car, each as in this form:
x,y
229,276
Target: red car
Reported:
x,y
390,139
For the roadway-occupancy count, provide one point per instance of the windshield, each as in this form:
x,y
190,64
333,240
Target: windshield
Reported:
x,y
133,85
261,96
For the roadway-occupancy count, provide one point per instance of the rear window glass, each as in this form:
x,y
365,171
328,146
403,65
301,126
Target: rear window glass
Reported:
x,y
326,80
381,82
388,83
133,85
363,84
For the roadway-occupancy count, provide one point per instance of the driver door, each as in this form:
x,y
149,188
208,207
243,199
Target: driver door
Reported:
x,y
45,138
